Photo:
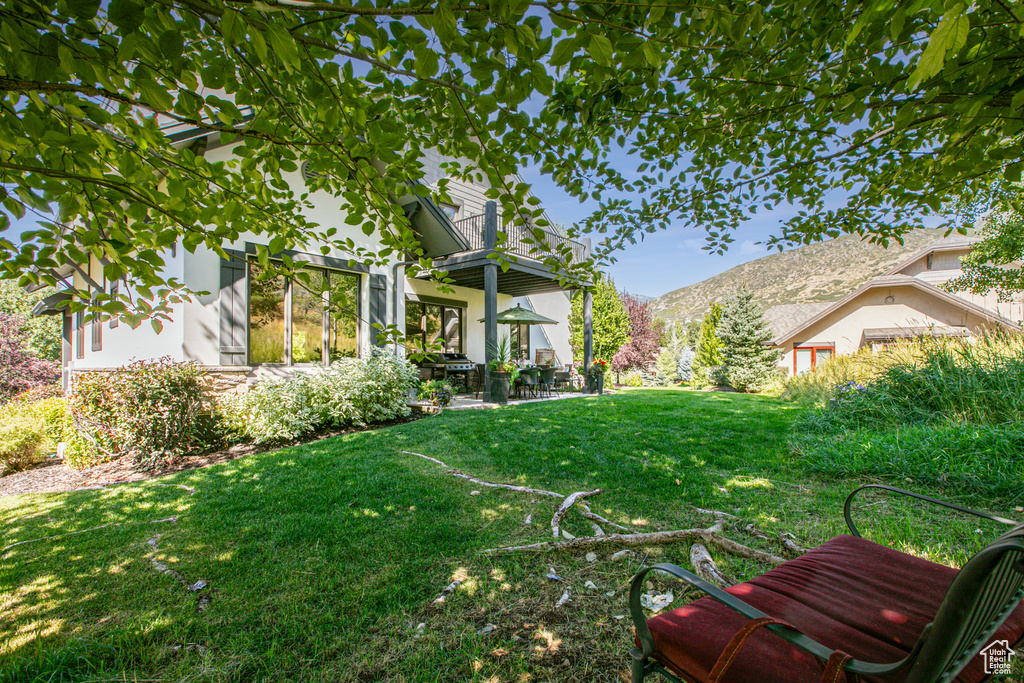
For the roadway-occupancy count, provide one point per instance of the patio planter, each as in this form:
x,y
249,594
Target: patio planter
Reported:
x,y
595,383
500,385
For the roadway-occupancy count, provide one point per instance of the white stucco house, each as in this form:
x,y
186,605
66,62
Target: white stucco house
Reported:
x,y
905,302
243,329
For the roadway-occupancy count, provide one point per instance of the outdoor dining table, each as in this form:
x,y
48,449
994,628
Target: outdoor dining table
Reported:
x,y
539,378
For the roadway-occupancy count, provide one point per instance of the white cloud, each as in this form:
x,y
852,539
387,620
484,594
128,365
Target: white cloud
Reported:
x,y
693,244
748,247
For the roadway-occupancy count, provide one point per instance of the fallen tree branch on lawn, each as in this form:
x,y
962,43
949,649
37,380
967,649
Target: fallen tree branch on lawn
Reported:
x,y
654,538
716,513
510,487
564,507
82,531
704,566
586,512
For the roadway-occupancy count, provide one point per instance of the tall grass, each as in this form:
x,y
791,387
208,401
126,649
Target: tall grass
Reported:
x,y
946,411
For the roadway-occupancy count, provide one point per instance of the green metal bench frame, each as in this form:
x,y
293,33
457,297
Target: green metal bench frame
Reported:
x,y
982,596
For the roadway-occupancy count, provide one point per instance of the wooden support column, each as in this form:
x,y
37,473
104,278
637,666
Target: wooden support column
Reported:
x,y
588,330
65,352
490,295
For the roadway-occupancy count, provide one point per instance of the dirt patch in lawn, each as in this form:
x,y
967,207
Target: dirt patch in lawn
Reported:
x,y
53,476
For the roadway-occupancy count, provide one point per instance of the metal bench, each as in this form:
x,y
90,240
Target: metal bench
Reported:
x,y
849,608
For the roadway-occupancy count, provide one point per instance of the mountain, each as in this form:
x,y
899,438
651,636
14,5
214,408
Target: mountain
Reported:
x,y
825,271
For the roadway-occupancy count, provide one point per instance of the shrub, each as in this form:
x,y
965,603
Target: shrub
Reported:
x,y
19,370
936,411
272,410
146,409
349,391
31,427
58,424
438,392
634,378
817,385
21,442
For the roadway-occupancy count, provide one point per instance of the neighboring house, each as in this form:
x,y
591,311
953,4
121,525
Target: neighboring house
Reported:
x,y
244,329
905,302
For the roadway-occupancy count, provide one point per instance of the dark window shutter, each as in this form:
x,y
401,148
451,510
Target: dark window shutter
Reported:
x,y
234,312
378,304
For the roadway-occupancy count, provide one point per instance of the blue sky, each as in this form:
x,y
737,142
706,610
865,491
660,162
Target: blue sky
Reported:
x,y
668,259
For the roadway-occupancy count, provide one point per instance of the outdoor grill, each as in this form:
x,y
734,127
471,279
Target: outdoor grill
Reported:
x,y
444,365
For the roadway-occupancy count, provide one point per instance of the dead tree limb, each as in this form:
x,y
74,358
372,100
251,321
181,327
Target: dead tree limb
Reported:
x,y
589,514
82,531
564,507
716,513
704,566
510,487
655,538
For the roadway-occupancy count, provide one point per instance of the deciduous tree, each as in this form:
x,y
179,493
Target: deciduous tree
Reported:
x,y
644,336
865,115
610,321
19,369
43,340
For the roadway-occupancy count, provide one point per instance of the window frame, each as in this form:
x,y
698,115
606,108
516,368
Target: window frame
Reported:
x,y
288,301
813,348
444,304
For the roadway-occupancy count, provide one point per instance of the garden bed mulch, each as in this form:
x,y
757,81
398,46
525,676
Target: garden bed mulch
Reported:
x,y
52,476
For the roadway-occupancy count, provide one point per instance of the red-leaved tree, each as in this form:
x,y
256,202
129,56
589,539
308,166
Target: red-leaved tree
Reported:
x,y
19,371
645,336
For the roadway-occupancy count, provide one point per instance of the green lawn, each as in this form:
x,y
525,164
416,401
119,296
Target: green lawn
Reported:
x,y
323,559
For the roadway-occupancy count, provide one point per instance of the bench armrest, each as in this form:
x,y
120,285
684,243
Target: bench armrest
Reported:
x,y
643,633
936,501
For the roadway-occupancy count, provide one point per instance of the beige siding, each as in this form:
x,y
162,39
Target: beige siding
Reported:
x,y
909,307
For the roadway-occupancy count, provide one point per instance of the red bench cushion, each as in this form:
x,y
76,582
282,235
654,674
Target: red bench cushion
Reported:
x,y
848,594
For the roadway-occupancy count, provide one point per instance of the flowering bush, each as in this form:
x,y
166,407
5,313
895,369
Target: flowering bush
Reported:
x,y
438,392
146,409
19,371
349,391
31,427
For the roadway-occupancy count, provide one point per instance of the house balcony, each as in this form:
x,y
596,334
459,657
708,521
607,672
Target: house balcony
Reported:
x,y
526,273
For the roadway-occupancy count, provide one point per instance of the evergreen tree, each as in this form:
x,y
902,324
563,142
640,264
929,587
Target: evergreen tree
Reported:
x,y
684,367
666,367
709,348
749,361
611,322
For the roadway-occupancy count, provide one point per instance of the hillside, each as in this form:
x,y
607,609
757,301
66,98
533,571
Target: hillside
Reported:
x,y
818,272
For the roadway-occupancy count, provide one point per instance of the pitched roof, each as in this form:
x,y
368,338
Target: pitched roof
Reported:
x,y
944,244
782,318
897,281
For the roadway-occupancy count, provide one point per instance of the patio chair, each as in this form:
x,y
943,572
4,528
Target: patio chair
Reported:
x,y
479,380
563,379
547,380
850,607
529,380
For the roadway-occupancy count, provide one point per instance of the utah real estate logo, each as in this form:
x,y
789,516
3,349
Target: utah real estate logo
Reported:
x,y
996,658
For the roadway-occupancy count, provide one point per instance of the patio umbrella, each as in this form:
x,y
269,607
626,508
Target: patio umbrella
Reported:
x,y
513,316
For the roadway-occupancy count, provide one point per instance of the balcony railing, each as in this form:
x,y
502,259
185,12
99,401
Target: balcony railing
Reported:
x,y
473,229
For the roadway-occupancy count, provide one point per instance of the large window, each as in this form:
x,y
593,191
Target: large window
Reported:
x,y
429,324
305,319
